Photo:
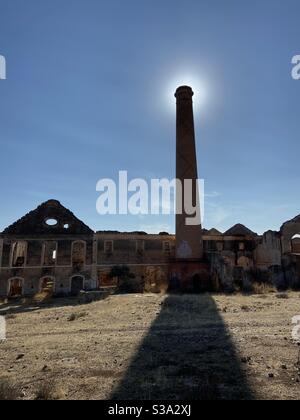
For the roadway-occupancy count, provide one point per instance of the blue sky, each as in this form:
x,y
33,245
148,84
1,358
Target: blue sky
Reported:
x,y
89,92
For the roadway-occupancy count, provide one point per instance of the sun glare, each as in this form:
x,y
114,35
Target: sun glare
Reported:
x,y
199,89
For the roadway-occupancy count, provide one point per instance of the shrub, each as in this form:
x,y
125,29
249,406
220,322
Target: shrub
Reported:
x,y
127,283
48,391
8,391
262,288
130,285
74,316
10,316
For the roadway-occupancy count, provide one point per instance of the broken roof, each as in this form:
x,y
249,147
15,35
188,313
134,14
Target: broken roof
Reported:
x,y
295,220
214,232
239,230
49,218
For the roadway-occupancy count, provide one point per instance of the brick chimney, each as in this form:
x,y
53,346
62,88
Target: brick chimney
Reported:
x,y
189,244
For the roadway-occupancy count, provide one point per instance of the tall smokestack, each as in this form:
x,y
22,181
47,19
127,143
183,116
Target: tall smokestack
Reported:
x,y
189,243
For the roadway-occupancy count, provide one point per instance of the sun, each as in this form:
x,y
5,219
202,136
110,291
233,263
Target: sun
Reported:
x,y
198,86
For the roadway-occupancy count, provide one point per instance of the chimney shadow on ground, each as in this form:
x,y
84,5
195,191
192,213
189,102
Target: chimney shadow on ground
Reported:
x,y
187,354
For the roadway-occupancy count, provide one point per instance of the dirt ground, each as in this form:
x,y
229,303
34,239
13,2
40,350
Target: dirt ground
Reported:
x,y
154,347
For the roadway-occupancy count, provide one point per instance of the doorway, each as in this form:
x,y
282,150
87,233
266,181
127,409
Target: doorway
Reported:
x,y
76,285
15,287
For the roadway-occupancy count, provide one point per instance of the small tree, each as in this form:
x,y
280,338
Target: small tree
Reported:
x,y
126,279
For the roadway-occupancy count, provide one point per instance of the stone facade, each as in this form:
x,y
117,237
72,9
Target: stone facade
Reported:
x,y
51,248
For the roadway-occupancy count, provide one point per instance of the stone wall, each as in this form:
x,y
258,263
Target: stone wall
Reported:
x,y
288,231
32,250
268,251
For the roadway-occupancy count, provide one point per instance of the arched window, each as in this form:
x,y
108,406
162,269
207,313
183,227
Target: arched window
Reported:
x,y
78,253
19,253
296,244
49,253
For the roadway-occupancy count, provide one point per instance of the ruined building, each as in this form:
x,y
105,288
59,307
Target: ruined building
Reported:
x,y
50,248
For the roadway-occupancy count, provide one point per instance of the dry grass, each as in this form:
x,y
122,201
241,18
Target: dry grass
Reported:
x,y
48,391
262,288
8,391
76,315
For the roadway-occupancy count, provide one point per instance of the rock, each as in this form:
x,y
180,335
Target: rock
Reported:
x,y
271,375
284,367
20,356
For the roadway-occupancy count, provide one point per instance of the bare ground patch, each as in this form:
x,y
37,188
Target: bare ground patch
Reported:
x,y
154,346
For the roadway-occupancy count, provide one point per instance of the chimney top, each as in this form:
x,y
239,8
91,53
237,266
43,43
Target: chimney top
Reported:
x,y
184,92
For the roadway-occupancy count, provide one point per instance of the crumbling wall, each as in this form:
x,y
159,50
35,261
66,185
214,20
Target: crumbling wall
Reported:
x,y
134,249
268,251
32,279
288,231
222,272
